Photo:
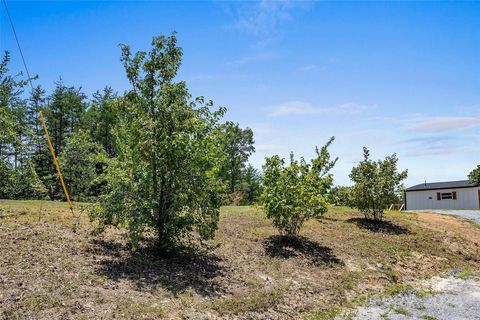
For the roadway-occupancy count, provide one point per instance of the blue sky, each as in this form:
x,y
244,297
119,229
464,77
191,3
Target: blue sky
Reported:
x,y
395,77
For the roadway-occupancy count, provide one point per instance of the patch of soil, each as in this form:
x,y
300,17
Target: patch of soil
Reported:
x,y
287,247
383,226
147,269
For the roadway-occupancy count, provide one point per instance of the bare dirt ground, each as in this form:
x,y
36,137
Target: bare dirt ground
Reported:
x,y
52,269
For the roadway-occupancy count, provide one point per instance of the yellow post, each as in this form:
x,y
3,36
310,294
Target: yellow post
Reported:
x,y
55,161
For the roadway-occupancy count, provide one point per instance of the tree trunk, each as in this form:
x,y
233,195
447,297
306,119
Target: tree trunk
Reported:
x,y
59,134
232,175
153,165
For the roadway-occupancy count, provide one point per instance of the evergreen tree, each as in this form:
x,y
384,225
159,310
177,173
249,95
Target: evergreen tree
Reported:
x,y
82,163
100,119
12,131
64,113
250,185
10,110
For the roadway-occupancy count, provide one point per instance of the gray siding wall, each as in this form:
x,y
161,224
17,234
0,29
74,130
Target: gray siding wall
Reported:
x,y
467,198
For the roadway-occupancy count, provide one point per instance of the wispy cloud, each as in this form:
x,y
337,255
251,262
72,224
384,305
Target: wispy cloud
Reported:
x,y
300,108
435,142
444,124
262,19
202,77
308,67
441,151
260,57
428,140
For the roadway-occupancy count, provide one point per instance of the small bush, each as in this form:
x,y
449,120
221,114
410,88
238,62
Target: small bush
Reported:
x,y
377,184
296,193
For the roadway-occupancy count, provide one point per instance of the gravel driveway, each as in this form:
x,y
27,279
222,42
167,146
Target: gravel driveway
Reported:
x,y
442,298
439,298
468,214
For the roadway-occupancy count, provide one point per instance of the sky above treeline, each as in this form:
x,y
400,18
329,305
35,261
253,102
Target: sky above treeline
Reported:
x,y
394,77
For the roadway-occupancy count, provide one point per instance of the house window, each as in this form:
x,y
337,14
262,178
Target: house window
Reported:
x,y
446,195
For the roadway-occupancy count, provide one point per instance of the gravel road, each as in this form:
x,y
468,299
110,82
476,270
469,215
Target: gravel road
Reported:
x,y
442,298
468,214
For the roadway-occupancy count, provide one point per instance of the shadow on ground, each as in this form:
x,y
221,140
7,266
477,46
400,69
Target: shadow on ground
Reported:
x,y
379,226
147,269
289,247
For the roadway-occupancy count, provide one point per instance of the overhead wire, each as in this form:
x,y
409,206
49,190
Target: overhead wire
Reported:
x,y
18,43
41,116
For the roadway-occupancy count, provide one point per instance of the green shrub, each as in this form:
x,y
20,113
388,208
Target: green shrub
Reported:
x,y
296,193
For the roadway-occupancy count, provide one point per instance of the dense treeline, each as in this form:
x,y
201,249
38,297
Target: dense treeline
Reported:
x,y
84,132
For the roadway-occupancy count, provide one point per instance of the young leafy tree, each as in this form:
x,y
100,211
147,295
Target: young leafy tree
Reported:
x,y
26,184
165,175
340,195
298,192
376,185
474,176
238,146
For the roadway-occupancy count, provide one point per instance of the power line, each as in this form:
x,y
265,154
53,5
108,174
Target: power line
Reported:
x,y
18,44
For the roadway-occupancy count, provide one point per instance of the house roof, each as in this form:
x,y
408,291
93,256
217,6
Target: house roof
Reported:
x,y
443,185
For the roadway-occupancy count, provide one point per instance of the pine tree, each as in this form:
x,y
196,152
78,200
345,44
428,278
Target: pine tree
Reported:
x,y
100,119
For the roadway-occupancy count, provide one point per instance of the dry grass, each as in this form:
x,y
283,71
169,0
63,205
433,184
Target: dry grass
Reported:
x,y
51,266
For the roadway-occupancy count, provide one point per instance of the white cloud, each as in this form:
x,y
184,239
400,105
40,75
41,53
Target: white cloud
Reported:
x,y
305,108
443,124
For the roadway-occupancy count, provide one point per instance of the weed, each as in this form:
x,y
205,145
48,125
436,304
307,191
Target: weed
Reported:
x,y
326,314
466,274
128,309
422,293
401,310
420,307
384,315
